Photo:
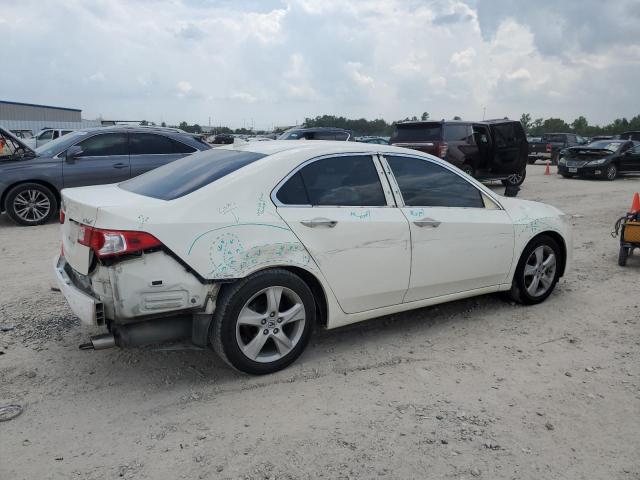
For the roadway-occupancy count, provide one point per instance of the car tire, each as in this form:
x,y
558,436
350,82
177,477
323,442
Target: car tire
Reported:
x,y
516,179
623,256
30,204
263,339
468,169
533,282
611,172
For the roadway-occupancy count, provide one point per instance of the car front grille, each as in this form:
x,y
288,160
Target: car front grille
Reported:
x,y
576,163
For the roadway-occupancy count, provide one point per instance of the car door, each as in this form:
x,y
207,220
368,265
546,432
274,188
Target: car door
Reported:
x,y
104,159
151,150
341,208
630,158
510,149
461,239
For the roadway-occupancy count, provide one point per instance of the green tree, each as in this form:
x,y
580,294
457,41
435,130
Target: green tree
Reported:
x,y
425,116
580,125
144,123
163,124
525,120
457,118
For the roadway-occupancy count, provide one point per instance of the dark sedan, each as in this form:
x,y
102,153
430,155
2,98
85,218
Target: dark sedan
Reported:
x,y
31,180
604,159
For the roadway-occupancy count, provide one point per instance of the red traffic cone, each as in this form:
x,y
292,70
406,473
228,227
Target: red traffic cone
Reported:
x,y
635,204
547,171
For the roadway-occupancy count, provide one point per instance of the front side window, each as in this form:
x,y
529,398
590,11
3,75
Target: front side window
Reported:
x,y
426,184
108,144
339,181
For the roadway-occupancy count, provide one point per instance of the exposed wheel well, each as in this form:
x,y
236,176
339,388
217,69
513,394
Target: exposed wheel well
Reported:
x,y
563,247
316,289
53,189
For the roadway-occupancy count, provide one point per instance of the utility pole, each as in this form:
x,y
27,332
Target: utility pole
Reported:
x,y
484,111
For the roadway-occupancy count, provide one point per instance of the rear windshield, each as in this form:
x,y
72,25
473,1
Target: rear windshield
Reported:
x,y
189,174
554,138
421,132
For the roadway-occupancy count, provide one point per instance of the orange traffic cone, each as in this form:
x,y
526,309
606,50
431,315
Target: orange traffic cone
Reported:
x,y
547,171
635,204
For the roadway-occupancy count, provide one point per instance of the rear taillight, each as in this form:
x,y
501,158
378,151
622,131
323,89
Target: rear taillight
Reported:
x,y
61,216
110,243
549,147
443,148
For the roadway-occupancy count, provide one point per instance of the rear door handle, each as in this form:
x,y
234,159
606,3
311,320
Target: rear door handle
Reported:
x,y
120,165
427,222
319,222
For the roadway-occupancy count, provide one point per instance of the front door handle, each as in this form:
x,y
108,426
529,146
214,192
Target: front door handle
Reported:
x,y
120,165
427,222
319,222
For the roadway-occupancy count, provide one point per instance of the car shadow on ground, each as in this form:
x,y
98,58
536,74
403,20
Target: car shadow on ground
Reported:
x,y
375,343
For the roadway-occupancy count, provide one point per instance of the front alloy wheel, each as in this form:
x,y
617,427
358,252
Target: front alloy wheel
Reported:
x,y
262,323
611,172
538,271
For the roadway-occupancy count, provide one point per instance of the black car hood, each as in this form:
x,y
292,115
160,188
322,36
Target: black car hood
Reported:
x,y
8,134
589,152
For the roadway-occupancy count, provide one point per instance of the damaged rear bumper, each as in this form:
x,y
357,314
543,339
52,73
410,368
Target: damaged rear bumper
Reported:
x,y
149,299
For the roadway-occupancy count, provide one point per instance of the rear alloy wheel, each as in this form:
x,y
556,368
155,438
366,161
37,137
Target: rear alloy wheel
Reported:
x,y
611,172
538,271
515,179
264,322
31,204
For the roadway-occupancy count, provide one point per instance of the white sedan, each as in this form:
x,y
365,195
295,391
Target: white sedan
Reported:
x,y
247,247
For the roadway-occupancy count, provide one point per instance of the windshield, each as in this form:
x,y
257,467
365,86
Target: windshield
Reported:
x,y
189,174
58,145
606,145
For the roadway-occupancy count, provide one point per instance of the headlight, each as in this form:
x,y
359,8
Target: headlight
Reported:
x,y
597,162
562,161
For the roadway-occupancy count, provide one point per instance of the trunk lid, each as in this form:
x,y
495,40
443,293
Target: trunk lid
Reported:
x,y
83,206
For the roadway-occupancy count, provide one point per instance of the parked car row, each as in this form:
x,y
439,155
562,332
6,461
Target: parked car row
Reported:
x,y
31,179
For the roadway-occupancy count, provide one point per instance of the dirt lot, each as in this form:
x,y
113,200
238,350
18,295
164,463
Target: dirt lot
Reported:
x,y
478,388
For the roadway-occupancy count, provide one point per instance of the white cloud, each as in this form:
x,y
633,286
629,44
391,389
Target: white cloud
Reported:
x,y
278,61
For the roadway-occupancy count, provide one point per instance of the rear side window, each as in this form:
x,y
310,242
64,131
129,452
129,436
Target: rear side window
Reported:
x,y
339,181
189,174
105,145
456,133
421,132
425,184
149,144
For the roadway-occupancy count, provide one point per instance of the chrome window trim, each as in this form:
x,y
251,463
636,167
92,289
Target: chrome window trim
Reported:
x,y
396,188
371,155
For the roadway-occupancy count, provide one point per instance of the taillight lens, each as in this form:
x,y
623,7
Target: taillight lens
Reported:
x,y
443,148
61,216
549,147
110,243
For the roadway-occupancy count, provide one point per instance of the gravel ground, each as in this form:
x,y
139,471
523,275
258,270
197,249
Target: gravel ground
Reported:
x,y
478,388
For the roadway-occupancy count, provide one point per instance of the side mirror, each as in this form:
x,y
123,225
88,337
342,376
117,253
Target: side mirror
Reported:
x,y
73,152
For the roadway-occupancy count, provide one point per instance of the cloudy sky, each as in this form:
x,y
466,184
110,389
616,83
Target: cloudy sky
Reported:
x,y
266,62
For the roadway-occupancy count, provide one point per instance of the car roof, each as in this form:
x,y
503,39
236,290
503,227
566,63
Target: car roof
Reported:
x,y
318,147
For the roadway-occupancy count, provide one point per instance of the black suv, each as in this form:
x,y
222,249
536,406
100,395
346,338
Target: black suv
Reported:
x,y
317,133
487,150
